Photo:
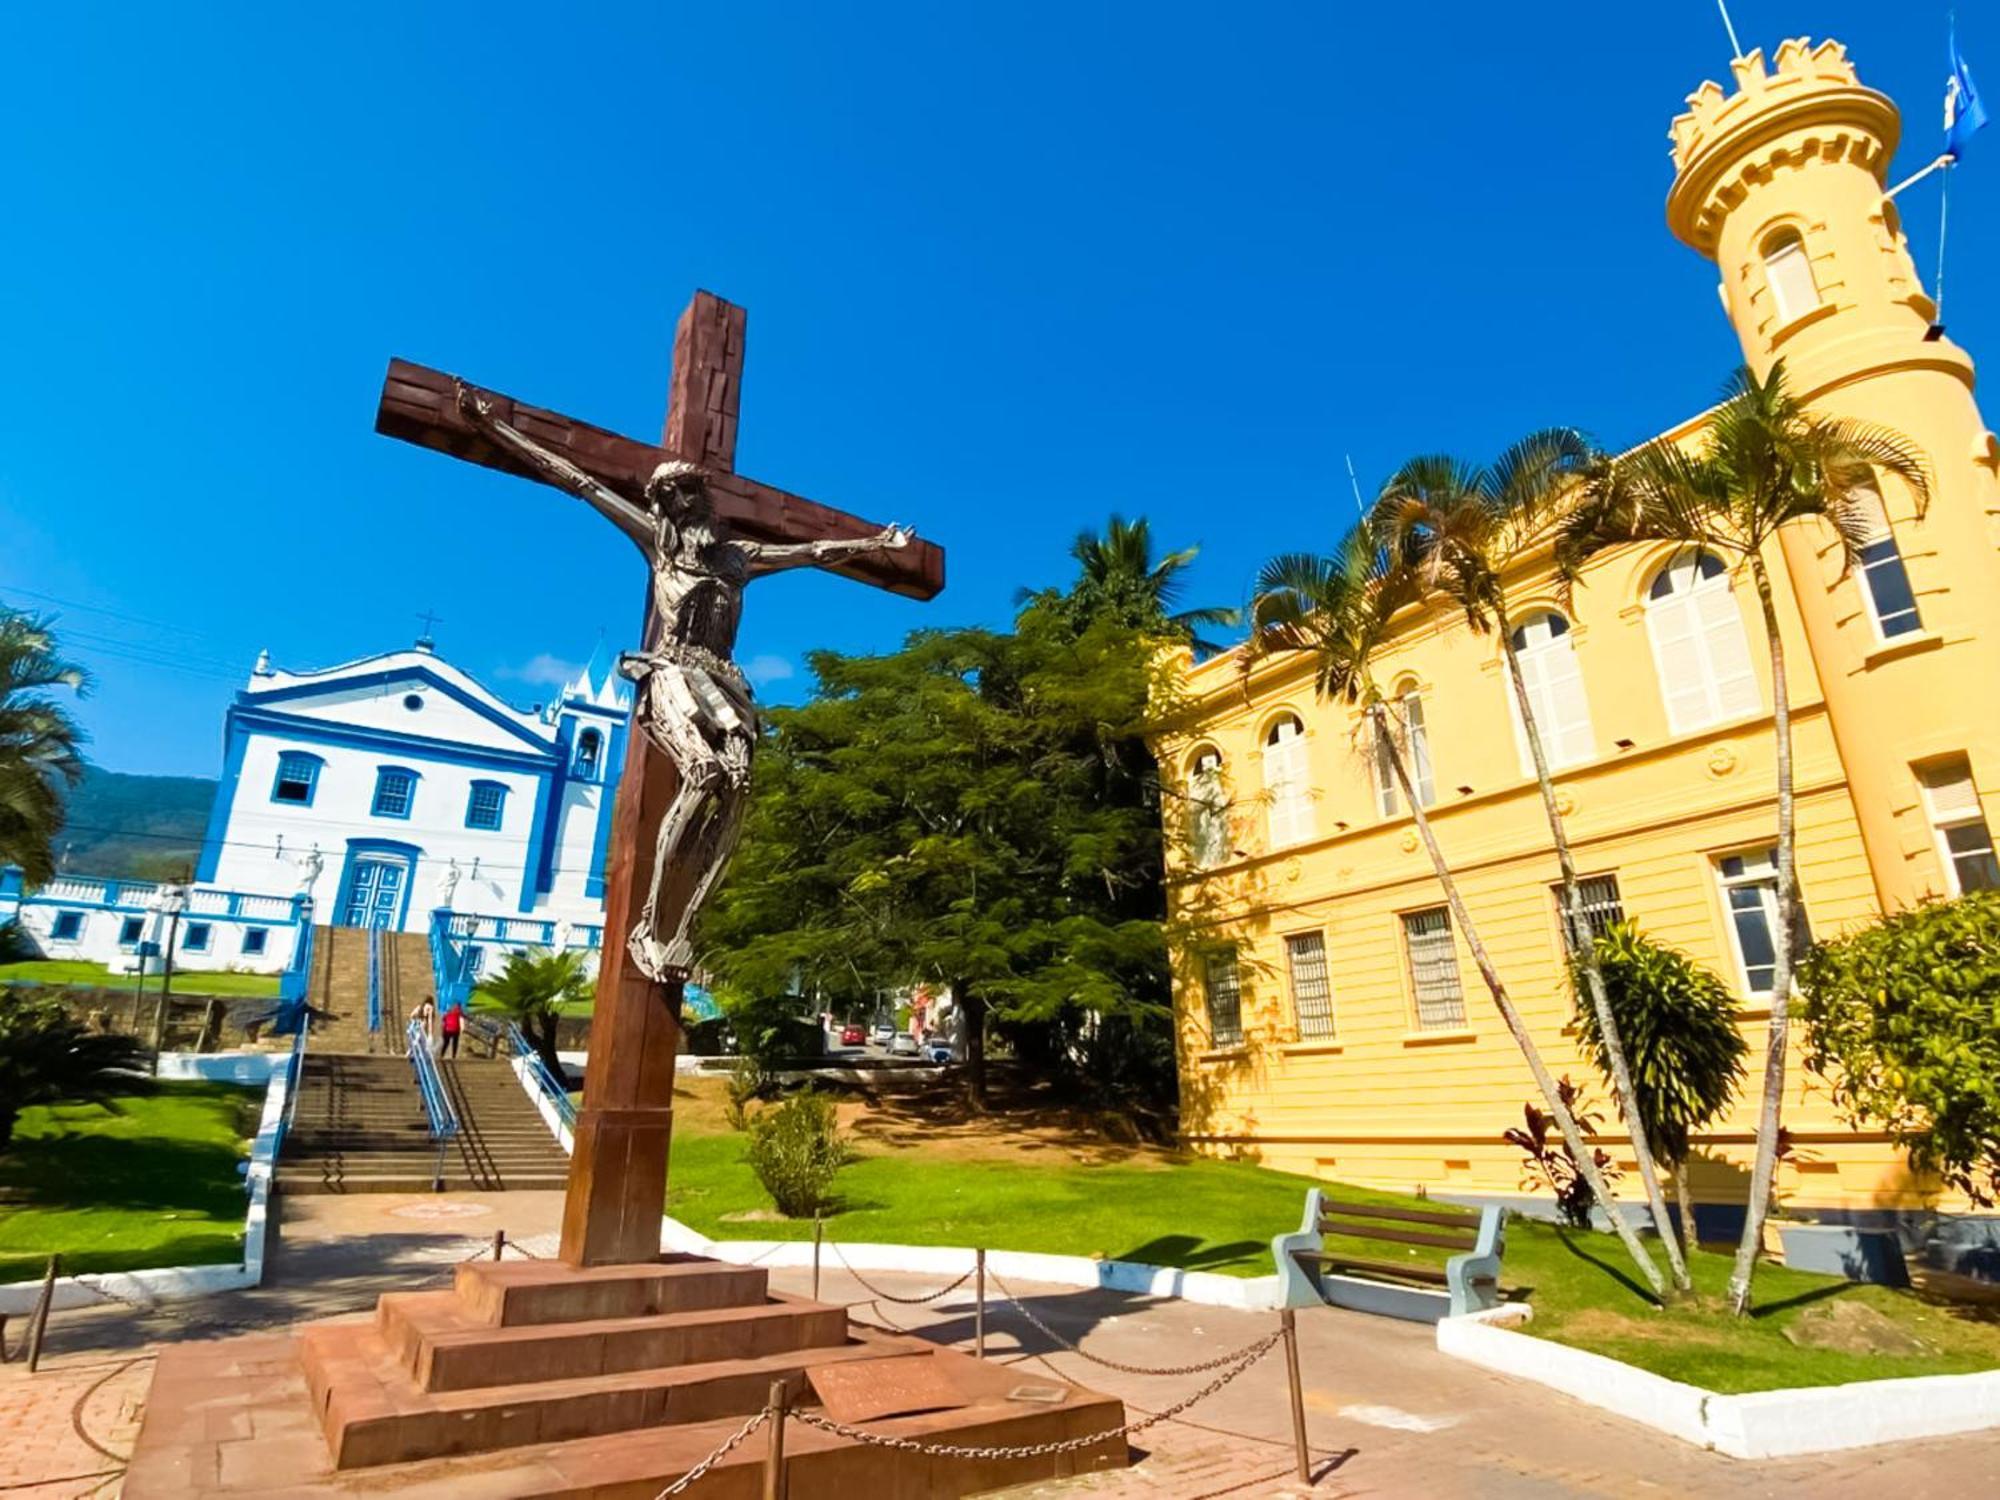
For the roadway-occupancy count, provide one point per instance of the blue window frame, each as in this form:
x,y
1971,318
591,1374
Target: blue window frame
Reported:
x,y
475,961
395,791
130,930
297,779
255,940
589,755
195,936
68,926
484,806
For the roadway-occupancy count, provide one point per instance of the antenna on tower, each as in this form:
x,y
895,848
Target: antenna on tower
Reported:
x,y
1354,484
1735,47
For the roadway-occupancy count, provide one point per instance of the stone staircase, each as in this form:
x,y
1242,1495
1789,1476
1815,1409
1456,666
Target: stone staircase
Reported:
x,y
361,1128
338,990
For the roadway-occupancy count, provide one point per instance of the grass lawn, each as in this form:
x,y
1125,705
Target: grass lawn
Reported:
x,y
186,981
934,1188
148,1179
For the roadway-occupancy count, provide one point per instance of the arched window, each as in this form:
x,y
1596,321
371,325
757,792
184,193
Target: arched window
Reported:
x,y
1286,783
1555,692
1208,809
1699,648
1406,716
589,752
1788,271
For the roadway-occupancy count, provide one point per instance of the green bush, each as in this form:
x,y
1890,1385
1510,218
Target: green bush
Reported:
x,y
1903,1022
46,1056
795,1150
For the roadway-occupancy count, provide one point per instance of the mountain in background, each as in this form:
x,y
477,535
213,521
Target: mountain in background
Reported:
x,y
139,827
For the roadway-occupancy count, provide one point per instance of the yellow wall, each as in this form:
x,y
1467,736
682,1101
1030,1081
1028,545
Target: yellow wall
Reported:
x,y
1384,1103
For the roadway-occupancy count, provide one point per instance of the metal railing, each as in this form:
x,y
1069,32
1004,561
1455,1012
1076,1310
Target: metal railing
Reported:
x,y
374,978
295,983
551,1087
295,1072
430,1087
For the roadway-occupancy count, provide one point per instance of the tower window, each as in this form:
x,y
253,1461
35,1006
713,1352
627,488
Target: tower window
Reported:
x,y
298,778
1285,781
1788,270
589,753
1885,582
1965,846
1750,892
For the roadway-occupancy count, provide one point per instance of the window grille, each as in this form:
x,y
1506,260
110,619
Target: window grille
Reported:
x,y
1434,976
392,794
1602,904
483,811
1225,999
298,775
1312,990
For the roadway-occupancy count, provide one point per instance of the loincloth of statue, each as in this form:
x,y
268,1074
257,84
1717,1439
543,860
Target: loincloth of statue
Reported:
x,y
698,707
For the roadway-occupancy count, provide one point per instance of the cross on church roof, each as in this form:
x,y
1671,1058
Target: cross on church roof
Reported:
x,y
427,641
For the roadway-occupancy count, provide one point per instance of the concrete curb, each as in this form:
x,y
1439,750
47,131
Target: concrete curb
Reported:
x,y
1250,1293
544,1106
1758,1424
178,1283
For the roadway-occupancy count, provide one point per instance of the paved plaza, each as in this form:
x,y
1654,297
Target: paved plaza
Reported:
x,y
1387,1415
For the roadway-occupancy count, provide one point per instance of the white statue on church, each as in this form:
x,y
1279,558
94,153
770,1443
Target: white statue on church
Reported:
x,y
309,871
564,931
447,886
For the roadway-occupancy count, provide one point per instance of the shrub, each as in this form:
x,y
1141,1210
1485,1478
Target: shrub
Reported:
x,y
1903,1022
747,1081
795,1150
1552,1166
14,945
46,1055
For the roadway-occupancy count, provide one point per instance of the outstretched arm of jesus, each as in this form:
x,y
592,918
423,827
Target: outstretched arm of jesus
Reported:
x,y
774,557
554,468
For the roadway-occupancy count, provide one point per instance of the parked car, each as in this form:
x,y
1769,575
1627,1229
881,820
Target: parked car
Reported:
x,y
853,1036
885,1033
938,1052
902,1045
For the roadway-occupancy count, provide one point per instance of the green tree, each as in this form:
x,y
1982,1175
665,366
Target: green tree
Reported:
x,y
1762,463
1678,1022
47,1056
1338,609
40,743
1119,577
1903,1021
1464,532
531,991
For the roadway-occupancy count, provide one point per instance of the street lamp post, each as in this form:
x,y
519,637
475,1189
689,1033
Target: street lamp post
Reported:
x,y
171,901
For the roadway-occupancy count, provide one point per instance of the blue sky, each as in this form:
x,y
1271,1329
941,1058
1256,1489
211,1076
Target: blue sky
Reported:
x,y
1008,269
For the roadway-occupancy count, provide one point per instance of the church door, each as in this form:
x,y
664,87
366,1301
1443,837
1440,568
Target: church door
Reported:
x,y
375,897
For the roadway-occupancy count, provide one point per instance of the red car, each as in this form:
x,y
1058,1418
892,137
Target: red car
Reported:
x,y
853,1036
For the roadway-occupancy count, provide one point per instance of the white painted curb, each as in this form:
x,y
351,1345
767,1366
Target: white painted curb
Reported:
x,y
1759,1424
1253,1293
178,1283
544,1105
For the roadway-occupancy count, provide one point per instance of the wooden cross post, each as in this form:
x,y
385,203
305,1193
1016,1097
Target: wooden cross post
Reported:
x,y
618,1171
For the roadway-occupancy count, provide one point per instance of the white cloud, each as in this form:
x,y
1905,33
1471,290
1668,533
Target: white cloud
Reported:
x,y
767,669
543,667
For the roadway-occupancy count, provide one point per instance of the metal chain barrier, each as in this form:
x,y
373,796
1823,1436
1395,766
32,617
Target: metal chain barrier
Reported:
x,y
1007,1296
873,1290
1040,1450
680,1485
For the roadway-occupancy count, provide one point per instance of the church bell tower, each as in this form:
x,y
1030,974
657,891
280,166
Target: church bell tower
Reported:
x,y
1781,184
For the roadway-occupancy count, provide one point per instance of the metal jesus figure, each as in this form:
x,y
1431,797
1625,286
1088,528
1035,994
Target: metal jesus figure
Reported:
x,y
694,703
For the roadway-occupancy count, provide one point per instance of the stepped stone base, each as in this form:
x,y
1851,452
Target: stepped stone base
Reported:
x,y
545,1381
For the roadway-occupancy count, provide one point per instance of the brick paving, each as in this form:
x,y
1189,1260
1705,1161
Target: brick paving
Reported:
x,y
1387,1415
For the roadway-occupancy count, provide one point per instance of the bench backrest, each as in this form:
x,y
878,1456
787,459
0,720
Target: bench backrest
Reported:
x,y
1443,1228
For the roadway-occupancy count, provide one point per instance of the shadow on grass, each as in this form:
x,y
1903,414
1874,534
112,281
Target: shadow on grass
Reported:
x,y
1802,1299
78,1172
1643,1293
1187,1252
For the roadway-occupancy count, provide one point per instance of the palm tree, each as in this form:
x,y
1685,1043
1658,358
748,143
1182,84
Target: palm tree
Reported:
x,y
1338,609
1762,463
1119,575
531,991
1462,531
40,744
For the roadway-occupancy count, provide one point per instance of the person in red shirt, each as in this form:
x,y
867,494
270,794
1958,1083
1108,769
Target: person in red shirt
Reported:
x,y
454,1019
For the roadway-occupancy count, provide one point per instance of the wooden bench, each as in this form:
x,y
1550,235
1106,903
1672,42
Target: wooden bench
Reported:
x,y
1308,1273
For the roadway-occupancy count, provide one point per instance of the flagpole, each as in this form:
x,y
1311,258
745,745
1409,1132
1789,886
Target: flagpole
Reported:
x,y
1944,208
1735,47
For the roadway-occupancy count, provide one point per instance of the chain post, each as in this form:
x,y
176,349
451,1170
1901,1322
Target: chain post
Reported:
x,y
499,1242
979,1308
1289,1322
775,1485
38,1322
819,1231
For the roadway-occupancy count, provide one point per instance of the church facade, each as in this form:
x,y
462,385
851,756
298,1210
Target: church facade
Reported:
x,y
391,787
1331,1020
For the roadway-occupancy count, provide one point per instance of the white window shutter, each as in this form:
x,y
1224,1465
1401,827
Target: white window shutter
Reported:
x,y
1569,707
1677,653
1730,672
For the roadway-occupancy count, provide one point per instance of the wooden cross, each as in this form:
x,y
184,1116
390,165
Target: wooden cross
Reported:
x,y
618,1171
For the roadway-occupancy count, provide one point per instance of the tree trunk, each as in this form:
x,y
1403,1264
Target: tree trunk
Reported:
x,y
1582,949
8,1114
1579,1149
542,1037
1685,1201
973,1030
1764,1172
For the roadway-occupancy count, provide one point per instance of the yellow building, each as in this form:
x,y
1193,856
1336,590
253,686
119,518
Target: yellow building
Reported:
x,y
1330,1019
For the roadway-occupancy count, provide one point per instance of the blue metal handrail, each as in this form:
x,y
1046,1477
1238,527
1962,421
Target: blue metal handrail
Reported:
x,y
430,1087
295,1072
295,983
374,978
551,1087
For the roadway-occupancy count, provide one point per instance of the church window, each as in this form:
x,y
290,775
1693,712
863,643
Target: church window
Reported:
x,y
1286,782
1788,270
1699,648
255,940
482,808
1555,692
1208,810
1885,582
589,752
1959,819
1222,988
129,931
413,701
68,926
395,790
298,778
195,937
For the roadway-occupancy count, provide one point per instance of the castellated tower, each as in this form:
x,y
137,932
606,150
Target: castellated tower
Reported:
x,y
1781,184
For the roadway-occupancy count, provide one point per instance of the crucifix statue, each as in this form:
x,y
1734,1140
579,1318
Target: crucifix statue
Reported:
x,y
706,532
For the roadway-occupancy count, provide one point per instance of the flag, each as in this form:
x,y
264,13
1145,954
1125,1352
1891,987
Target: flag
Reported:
x,y
1963,113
